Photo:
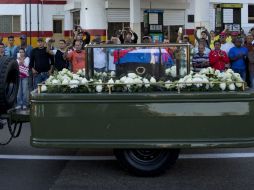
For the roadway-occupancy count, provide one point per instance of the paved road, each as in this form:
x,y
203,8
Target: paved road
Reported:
x,y
208,173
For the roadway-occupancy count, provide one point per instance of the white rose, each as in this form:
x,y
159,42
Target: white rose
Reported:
x,y
66,77
84,81
75,77
228,75
211,70
173,71
239,84
138,82
111,81
206,82
132,75
221,76
56,82
64,71
49,80
117,82
129,82
183,71
198,82
152,80
104,74
230,71
79,72
188,82
231,87
236,75
74,83
223,86
204,71
112,73
168,84
123,79
167,71
180,83
217,72
43,88
96,73
98,88
146,82
65,82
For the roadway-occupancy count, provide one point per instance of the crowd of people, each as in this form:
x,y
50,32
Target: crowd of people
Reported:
x,y
225,50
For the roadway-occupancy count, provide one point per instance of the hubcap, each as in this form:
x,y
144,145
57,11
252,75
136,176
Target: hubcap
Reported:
x,y
146,156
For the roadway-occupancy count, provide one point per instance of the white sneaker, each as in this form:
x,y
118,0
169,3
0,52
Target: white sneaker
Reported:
x,y
18,107
24,107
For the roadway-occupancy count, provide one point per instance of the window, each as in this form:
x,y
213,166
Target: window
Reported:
x,y
76,18
57,26
190,18
251,13
9,24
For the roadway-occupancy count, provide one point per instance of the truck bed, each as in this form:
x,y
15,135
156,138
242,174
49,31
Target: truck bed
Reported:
x,y
143,120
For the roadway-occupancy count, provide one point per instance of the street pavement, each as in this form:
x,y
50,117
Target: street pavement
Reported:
x,y
23,167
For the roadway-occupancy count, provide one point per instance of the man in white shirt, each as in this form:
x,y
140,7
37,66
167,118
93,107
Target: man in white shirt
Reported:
x,y
100,56
100,59
225,46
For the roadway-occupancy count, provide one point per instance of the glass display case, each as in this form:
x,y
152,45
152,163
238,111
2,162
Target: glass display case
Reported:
x,y
156,60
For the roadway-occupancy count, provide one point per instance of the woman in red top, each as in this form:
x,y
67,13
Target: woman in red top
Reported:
x,y
218,58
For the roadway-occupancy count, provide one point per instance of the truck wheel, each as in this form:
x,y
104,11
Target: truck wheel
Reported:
x,y
146,162
9,83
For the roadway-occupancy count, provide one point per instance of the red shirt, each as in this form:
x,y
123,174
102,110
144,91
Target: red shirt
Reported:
x,y
77,59
218,59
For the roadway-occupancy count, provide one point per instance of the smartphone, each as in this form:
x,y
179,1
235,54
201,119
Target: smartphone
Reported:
x,y
180,30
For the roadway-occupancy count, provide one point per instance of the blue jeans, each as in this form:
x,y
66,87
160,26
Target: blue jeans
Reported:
x,y
241,72
39,78
23,92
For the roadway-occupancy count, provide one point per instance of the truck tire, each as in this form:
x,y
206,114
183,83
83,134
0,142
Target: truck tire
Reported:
x,y
146,162
9,83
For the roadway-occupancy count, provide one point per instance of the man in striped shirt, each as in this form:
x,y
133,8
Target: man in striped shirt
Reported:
x,y
200,59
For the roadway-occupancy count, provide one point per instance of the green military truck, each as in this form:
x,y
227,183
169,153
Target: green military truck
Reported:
x,y
145,129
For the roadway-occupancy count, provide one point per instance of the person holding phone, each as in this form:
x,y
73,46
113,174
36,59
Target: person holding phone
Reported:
x,y
128,37
205,35
79,34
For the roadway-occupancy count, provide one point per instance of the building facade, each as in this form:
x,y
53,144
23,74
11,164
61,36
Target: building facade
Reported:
x,y
57,18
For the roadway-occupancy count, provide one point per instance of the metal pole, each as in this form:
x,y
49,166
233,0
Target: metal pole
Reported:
x,y
30,11
188,59
38,20
26,20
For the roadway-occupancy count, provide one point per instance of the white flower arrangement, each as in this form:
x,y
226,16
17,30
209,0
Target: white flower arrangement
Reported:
x,y
207,79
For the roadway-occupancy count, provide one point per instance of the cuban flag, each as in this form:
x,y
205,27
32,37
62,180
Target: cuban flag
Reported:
x,y
144,56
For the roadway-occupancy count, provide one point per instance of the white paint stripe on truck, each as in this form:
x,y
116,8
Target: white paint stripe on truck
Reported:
x,y
95,158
